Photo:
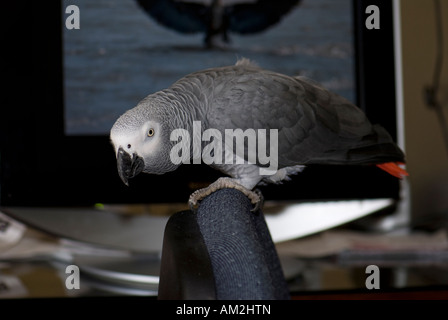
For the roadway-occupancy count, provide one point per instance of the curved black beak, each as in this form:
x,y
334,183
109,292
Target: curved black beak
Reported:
x,y
128,167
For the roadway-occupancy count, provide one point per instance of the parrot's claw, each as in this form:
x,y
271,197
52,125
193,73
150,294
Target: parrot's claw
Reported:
x,y
259,203
256,198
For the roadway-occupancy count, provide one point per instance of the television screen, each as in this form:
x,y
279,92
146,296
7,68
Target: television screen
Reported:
x,y
120,54
55,148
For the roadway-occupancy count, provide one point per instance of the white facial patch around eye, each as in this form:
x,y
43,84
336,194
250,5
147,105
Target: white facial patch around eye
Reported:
x,y
151,133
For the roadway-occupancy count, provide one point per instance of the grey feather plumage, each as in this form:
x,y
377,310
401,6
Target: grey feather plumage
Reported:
x,y
315,126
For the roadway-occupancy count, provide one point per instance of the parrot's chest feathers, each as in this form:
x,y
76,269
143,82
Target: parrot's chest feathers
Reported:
x,y
248,175
283,174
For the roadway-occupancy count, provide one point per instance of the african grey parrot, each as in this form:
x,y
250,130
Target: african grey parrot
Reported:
x,y
310,124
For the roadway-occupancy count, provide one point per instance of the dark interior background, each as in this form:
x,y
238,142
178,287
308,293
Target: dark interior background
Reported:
x,y
41,166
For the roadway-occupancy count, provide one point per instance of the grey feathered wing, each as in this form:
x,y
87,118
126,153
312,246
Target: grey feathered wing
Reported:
x,y
314,125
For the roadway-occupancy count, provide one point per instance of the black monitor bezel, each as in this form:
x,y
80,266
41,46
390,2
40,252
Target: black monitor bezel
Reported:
x,y
41,166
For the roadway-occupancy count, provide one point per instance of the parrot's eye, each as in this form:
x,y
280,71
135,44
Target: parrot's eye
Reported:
x,y
151,132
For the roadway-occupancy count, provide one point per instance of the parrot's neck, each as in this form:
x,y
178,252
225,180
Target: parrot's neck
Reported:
x,y
185,106
187,103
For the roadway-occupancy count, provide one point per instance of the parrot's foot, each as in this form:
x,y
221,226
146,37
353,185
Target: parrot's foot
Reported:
x,y
256,198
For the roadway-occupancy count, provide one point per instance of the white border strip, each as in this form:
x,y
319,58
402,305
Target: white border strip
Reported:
x,y
398,75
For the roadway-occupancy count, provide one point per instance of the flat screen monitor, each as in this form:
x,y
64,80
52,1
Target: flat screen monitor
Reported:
x,y
55,130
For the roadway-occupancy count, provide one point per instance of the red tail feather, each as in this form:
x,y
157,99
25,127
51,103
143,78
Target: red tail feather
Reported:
x,y
393,169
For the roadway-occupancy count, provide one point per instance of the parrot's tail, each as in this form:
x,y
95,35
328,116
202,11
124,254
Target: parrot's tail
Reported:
x,y
393,169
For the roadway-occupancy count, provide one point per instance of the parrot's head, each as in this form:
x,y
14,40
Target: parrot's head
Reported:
x,y
141,140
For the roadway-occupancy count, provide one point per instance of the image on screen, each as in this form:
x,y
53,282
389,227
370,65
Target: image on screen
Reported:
x,y
120,54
